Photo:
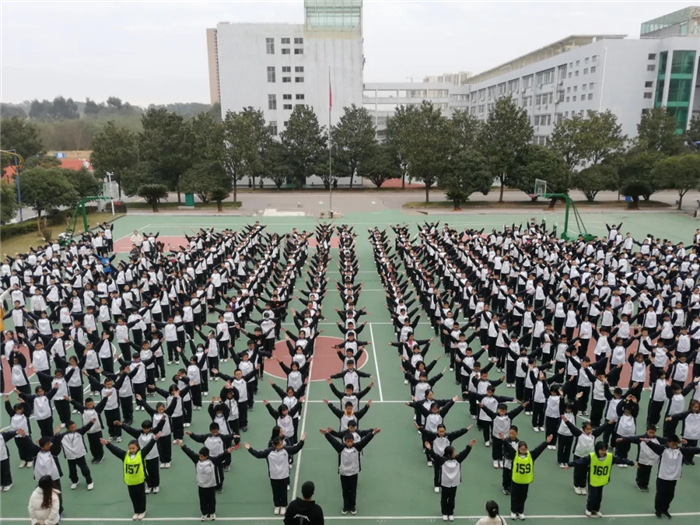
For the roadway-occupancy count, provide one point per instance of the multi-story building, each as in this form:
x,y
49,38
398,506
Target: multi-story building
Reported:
x,y
456,79
275,67
679,23
213,63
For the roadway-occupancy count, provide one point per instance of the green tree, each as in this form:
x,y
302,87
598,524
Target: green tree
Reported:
x,y
46,189
84,183
538,162
22,136
11,110
596,178
136,176
693,132
398,131
381,166
506,132
277,166
305,143
114,151
153,194
465,129
635,173
656,131
353,139
468,172
8,202
681,173
43,161
207,179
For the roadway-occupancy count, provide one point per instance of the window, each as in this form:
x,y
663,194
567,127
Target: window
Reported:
x,y
287,106
286,69
285,51
590,86
575,89
299,105
286,123
298,40
286,79
594,58
299,69
545,77
271,74
578,62
272,102
527,82
568,99
583,87
273,127
299,79
590,96
576,74
585,71
270,46
586,61
652,56
558,118
592,69
651,67
285,40
300,97
648,94
683,62
286,97
648,84
570,73
299,51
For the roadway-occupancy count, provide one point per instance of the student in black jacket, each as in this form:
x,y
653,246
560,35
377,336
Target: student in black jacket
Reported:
x,y
304,510
451,475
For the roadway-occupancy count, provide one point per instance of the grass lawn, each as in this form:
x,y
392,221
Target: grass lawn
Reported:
x,y
539,204
21,243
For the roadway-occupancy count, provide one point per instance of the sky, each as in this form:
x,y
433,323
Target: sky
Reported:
x,y
155,52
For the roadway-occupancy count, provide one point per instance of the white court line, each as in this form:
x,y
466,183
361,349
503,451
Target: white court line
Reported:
x,y
379,519
303,430
376,363
129,235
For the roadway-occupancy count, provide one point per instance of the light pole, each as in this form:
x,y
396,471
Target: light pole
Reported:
x,y
111,190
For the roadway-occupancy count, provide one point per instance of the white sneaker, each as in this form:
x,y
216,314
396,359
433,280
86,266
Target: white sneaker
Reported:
x,y
513,516
162,465
437,490
541,429
7,487
521,517
562,465
488,443
212,517
30,464
167,465
536,429
430,463
141,516
276,511
500,464
90,486
353,511
451,518
445,517
584,491
589,513
74,486
283,510
22,464
577,490
495,464
135,517
599,514
156,490
204,518
118,440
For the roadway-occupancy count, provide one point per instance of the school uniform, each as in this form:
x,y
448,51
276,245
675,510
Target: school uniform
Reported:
x,y
349,467
278,465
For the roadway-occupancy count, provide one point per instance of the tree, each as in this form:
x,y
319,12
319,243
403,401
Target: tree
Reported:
x,y
693,132
46,189
84,183
467,173
397,133
538,162
276,164
64,109
208,180
138,175
353,140
11,110
635,174
506,132
305,143
596,178
22,136
165,144
43,161
113,151
465,129
381,166
8,202
153,194
91,108
656,131
681,173
114,103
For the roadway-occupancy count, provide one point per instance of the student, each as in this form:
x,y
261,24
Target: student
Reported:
x,y
349,414
492,517
691,424
41,408
207,469
151,459
217,444
20,421
646,458
134,467
284,417
304,510
5,471
439,441
91,412
502,422
523,473
670,466
451,476
349,465
73,447
584,446
160,413
599,464
278,458
44,503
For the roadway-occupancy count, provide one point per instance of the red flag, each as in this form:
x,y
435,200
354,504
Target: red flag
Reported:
x,y
330,91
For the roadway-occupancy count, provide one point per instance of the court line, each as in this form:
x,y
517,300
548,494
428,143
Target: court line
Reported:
x,y
376,363
303,430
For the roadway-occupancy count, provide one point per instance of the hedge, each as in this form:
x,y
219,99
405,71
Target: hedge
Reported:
x,y
53,218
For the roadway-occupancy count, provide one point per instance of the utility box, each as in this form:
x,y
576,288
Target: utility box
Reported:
x,y
189,200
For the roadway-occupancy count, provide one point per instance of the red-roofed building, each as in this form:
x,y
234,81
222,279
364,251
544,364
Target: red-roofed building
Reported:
x,y
68,164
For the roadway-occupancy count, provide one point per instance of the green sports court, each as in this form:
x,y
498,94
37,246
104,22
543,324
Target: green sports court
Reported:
x,y
395,483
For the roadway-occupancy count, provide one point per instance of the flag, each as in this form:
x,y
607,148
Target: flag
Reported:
x,y
330,91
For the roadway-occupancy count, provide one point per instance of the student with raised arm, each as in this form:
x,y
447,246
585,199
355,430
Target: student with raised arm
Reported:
x,y
584,446
450,464
439,441
349,413
278,458
349,465
522,474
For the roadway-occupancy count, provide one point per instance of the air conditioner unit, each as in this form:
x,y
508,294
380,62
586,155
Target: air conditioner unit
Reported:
x,y
561,82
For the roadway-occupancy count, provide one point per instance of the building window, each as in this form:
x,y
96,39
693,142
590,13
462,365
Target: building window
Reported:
x,y
583,87
647,94
298,40
271,74
270,46
285,51
300,96
576,73
652,56
299,79
594,58
575,89
527,82
545,77
578,62
568,99
299,51
590,86
286,69
299,69
585,71
286,97
287,106
285,40
651,67
272,102
286,79
273,127
285,123
573,98
683,62
570,74
590,96
648,84
592,69
300,105
586,61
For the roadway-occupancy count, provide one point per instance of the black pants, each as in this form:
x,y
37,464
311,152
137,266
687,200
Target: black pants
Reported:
x,y
63,409
111,416
643,476
447,500
595,498
57,486
349,487
564,448
46,426
153,472
127,409
207,500
538,414
24,449
137,493
74,465
176,423
580,474
165,449
551,425
597,409
5,473
665,491
243,413
279,491
96,449
518,497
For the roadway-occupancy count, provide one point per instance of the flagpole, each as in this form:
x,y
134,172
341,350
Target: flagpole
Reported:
x,y
330,144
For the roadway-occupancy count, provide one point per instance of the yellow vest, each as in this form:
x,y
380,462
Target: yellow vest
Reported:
x,y
523,469
599,475
133,470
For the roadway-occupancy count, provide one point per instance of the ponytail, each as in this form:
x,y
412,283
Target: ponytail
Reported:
x,y
492,508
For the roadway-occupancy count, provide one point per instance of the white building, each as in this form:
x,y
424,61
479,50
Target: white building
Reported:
x,y
277,66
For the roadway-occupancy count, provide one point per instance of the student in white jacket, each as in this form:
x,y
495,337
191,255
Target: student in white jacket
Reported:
x,y
44,503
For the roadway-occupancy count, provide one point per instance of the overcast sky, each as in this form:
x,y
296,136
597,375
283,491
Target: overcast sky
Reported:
x,y
155,52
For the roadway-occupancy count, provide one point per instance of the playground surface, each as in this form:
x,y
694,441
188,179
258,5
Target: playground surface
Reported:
x,y
395,483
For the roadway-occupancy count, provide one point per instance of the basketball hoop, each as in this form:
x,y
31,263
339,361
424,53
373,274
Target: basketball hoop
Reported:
x,y
540,188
